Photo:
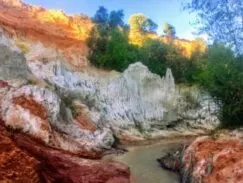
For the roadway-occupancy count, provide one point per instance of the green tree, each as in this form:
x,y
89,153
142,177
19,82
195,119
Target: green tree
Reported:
x,y
154,56
221,20
116,18
112,50
169,30
158,56
139,22
101,16
151,26
222,77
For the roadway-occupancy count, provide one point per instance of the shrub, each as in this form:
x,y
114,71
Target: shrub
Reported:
x,y
111,49
222,77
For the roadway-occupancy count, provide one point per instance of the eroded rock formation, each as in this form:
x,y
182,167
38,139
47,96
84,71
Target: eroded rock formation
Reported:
x,y
40,113
57,151
134,99
61,114
126,104
213,160
24,159
15,164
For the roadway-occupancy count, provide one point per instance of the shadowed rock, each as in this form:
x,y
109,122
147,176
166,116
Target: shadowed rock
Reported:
x,y
13,64
44,164
170,162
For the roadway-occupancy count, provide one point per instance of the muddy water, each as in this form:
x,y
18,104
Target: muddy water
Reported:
x,y
143,164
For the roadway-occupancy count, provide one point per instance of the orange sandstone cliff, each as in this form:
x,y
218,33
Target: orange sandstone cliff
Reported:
x,y
53,28
67,35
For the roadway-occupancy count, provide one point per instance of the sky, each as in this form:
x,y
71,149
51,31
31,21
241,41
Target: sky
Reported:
x,y
160,11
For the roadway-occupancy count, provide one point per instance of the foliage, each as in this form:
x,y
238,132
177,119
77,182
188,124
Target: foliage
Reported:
x,y
101,16
177,63
221,70
109,42
151,26
112,19
222,77
111,50
158,56
169,30
221,20
116,18
154,56
139,22
141,29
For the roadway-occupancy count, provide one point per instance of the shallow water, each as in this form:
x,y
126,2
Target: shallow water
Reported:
x,y
143,164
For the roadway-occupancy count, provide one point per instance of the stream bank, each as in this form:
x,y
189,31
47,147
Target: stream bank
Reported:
x,y
142,160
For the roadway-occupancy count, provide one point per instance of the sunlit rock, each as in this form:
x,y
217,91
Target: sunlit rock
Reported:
x,y
214,160
40,113
33,25
139,97
135,98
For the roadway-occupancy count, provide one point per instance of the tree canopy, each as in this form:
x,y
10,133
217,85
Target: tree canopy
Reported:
x,y
169,30
101,16
221,20
139,22
116,18
112,19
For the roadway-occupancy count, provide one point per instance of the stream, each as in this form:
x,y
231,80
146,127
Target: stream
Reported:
x,y
143,164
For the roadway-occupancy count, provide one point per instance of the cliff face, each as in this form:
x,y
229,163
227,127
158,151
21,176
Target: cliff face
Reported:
x,y
53,28
88,108
134,101
40,122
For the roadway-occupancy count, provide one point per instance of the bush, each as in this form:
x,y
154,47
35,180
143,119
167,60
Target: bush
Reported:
x,y
154,56
222,77
111,50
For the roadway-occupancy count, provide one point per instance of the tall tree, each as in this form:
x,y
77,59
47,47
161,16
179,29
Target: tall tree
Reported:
x,y
169,30
101,16
116,18
221,20
139,22
151,26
